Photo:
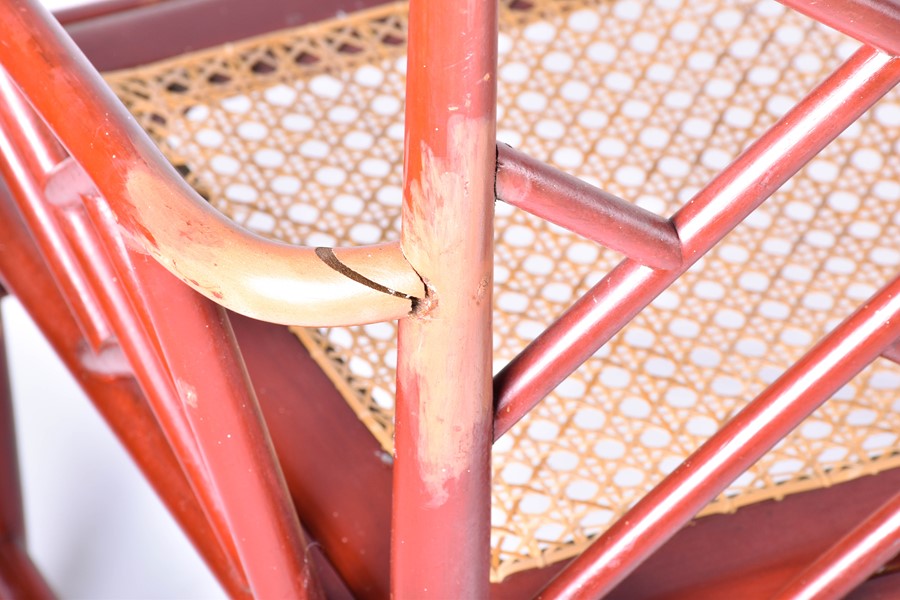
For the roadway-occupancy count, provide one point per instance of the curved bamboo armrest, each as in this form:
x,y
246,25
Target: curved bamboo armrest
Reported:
x,y
158,213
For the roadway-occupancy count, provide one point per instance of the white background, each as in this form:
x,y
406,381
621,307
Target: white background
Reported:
x,y
95,528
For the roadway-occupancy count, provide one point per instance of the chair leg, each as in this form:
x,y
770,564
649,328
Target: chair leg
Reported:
x,y
441,525
12,521
19,577
118,399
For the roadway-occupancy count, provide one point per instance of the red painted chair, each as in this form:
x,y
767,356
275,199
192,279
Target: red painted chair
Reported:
x,y
633,364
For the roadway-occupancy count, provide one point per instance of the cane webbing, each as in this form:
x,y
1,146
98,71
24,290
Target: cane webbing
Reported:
x,y
298,135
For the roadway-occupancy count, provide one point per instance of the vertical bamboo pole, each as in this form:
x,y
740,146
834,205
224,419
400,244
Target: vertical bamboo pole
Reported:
x,y
12,519
441,503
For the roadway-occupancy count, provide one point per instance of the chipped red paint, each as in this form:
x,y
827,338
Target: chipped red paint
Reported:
x,y
441,529
444,406
156,210
266,543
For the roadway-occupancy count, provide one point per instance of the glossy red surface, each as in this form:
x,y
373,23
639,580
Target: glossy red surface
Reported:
x,y
28,154
849,562
118,399
33,164
873,22
756,549
441,520
851,346
267,539
572,203
701,223
753,552
225,421
747,555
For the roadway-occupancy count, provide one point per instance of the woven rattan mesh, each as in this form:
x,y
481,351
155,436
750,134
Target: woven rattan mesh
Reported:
x,y
298,135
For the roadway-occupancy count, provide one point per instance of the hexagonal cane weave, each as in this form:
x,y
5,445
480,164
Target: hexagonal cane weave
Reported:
x,y
298,135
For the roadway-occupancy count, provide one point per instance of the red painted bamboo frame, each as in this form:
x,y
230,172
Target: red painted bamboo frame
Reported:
x,y
122,405
873,22
30,171
163,216
69,226
701,223
222,441
232,463
578,206
813,379
438,145
24,273
443,417
848,563
222,411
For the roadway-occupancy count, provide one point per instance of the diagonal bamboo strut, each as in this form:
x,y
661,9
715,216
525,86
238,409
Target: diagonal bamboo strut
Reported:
x,y
855,343
873,22
598,315
852,559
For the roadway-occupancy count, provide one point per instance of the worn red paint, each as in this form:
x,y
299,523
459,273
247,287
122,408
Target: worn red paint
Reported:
x,y
443,418
152,204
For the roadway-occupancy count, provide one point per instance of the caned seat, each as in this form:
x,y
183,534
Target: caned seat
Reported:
x,y
298,135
